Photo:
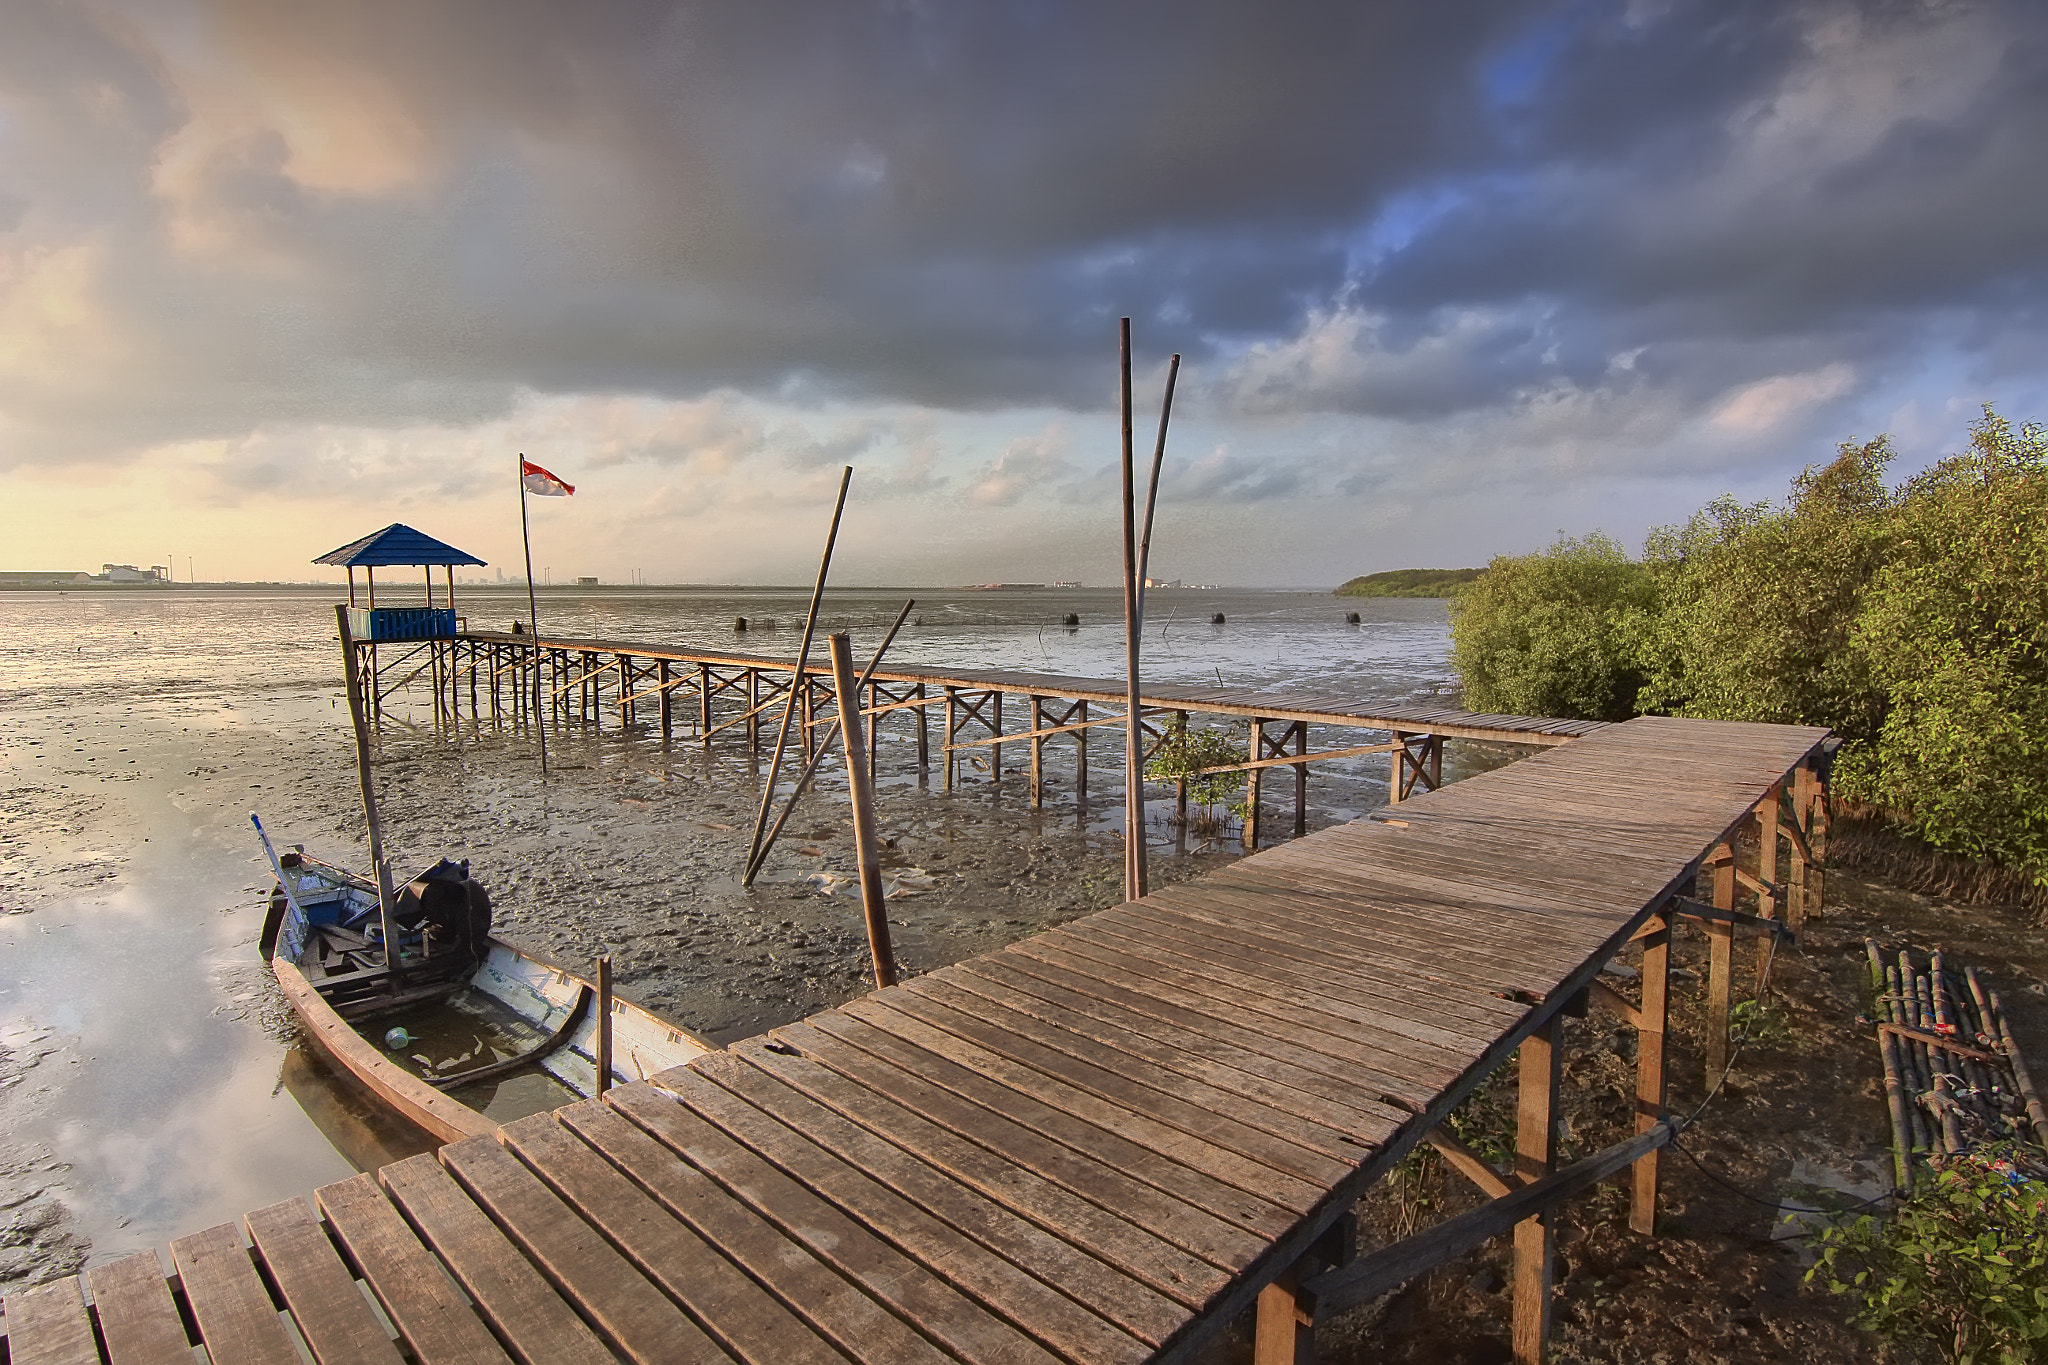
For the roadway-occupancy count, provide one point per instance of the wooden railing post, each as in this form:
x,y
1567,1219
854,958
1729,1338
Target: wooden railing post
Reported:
x,y
1038,722
1720,964
1651,1018
667,710
1282,1333
924,739
1541,1061
1251,788
1769,904
1300,779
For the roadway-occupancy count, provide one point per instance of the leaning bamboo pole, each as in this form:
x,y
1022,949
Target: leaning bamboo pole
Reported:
x,y
796,686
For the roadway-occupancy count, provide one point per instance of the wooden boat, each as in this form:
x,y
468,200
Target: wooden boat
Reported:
x,y
484,1010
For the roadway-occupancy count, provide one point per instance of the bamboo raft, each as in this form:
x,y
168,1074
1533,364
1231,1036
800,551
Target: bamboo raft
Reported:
x,y
1954,1076
1100,1144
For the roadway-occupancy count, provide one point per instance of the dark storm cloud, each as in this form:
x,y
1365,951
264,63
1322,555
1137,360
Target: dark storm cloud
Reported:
x,y
219,215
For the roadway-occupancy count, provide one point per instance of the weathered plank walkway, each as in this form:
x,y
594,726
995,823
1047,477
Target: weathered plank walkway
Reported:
x,y
1097,1145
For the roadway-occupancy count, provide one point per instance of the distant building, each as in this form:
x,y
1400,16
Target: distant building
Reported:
x,y
42,578
128,573
586,580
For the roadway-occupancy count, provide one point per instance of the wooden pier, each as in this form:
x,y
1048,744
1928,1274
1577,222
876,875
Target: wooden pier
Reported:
x,y
713,696
1100,1144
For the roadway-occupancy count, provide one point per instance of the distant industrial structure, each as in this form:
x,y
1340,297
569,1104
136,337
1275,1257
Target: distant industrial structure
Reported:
x,y
78,578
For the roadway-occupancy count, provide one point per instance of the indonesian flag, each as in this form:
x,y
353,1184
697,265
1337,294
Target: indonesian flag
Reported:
x,y
538,480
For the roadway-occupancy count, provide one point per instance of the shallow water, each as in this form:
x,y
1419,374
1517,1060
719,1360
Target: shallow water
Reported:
x,y
148,1085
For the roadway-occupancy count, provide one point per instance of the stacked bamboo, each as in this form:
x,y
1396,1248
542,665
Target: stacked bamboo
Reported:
x,y
1954,1077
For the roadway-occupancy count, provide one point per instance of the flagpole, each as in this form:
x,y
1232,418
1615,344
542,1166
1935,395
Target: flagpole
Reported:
x,y
532,617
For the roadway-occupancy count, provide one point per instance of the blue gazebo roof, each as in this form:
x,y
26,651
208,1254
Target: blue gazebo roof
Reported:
x,y
397,544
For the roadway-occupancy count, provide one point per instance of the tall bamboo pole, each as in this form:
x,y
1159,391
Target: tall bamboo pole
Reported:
x,y
1134,733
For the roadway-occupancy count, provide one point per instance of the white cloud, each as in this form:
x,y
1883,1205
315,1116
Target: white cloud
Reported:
x,y
1761,407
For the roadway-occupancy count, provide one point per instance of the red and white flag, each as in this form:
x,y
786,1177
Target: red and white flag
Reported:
x,y
538,480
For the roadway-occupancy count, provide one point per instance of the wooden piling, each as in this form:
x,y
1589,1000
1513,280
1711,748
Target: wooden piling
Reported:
x,y
867,855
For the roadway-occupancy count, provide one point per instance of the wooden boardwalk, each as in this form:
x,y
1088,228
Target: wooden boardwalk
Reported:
x,y
1097,1145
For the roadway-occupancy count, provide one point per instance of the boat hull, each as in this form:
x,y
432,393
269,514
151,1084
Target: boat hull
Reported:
x,y
543,994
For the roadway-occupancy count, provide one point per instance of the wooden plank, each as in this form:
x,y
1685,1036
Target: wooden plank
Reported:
x,y
634,1316
1256,1216
773,1324
1361,978
1096,1229
237,1320
321,1294
1289,1191
1380,930
1168,1216
431,1315
1116,1298
1420,1048
138,1321
1310,1039
1061,1324
907,1286
1281,1061
1329,1128
47,1325
521,1307
1190,1054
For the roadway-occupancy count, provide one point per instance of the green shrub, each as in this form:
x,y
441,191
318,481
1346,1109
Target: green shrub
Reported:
x,y
1954,630
1548,634
1962,1265
1913,623
1182,752
1758,604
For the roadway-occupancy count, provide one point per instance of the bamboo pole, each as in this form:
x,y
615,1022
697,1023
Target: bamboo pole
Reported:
x,y
796,685
394,971
1894,1086
867,857
2037,1112
1134,625
603,1049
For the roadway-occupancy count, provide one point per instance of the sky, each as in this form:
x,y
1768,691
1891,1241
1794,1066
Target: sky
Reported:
x,y
1448,280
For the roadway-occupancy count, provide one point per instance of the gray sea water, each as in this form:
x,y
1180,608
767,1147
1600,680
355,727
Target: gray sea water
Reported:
x,y
149,1084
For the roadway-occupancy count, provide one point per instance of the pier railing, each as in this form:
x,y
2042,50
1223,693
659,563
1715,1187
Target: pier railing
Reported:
x,y
676,693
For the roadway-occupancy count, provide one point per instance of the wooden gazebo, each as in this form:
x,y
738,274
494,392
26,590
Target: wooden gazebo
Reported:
x,y
399,544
